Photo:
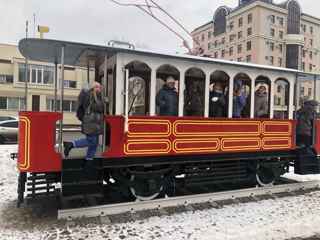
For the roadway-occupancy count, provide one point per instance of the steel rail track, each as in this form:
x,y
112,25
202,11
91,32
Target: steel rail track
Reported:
x,y
113,209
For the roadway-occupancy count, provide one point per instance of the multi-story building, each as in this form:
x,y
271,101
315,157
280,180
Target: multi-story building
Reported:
x,y
263,32
41,90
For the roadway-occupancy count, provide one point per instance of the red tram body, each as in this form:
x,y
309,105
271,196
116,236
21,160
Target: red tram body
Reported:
x,y
146,153
155,136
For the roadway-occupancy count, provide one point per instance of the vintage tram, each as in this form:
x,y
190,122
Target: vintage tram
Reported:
x,y
142,154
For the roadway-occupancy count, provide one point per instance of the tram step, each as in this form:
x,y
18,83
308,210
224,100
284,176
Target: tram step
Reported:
x,y
40,188
40,182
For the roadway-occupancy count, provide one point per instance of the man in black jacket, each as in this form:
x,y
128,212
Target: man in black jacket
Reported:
x,y
167,99
305,119
217,101
91,114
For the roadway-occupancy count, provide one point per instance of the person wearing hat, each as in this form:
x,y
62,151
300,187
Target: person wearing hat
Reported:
x,y
217,101
167,98
305,118
261,108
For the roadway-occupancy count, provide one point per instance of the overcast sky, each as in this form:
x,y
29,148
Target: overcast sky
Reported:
x,y
98,21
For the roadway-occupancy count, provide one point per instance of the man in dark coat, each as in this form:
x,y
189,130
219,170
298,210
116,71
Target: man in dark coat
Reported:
x,y
305,117
217,101
167,99
193,101
91,114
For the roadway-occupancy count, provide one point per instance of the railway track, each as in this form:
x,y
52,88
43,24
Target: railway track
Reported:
x,y
188,202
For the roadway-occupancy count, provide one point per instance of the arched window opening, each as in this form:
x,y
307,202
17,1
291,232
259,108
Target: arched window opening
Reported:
x,y
294,16
194,92
139,88
218,96
167,87
220,21
281,99
241,96
262,97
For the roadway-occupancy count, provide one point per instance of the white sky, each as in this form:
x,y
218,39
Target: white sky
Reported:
x,y
98,21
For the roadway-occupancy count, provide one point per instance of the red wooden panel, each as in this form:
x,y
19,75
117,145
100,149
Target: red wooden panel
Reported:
x,y
216,128
196,145
148,128
276,143
240,144
36,151
277,128
150,147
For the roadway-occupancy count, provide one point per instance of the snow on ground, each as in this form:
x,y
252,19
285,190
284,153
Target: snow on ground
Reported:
x,y
278,219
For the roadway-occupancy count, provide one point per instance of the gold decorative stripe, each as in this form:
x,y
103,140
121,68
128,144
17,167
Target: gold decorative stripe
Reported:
x,y
26,164
240,148
218,123
150,122
276,123
276,146
147,151
199,149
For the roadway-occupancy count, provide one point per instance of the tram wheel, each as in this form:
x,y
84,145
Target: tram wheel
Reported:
x,y
265,176
146,189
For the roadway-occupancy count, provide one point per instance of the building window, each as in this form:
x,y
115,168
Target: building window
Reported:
x,y
216,55
294,17
272,19
271,60
249,46
281,34
310,67
239,59
232,37
311,43
272,32
310,55
70,84
303,27
309,92
280,48
249,18
223,40
231,26
222,53
303,66
280,62
279,88
209,46
281,21
215,43
67,106
304,53
239,48
220,21
239,34
249,31
12,103
248,58
202,37
6,78
209,34
272,46
230,51
37,74
311,29
240,21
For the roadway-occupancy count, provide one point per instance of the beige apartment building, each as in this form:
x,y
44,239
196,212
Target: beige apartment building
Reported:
x,y
40,85
263,32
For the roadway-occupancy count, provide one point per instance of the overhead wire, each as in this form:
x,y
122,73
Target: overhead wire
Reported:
x,y
147,8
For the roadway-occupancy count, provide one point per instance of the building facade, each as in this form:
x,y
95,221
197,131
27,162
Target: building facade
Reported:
x,y
262,32
41,90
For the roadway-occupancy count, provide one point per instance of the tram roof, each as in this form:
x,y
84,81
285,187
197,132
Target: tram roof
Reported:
x,y
77,54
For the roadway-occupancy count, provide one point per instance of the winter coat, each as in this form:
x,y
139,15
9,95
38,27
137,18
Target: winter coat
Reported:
x,y
90,112
167,100
217,104
261,107
238,104
305,117
193,104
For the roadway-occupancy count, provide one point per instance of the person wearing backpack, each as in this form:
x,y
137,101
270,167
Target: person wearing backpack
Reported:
x,y
90,112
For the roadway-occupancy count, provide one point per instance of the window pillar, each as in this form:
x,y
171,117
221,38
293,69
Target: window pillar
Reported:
x,y
181,92
153,86
206,95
